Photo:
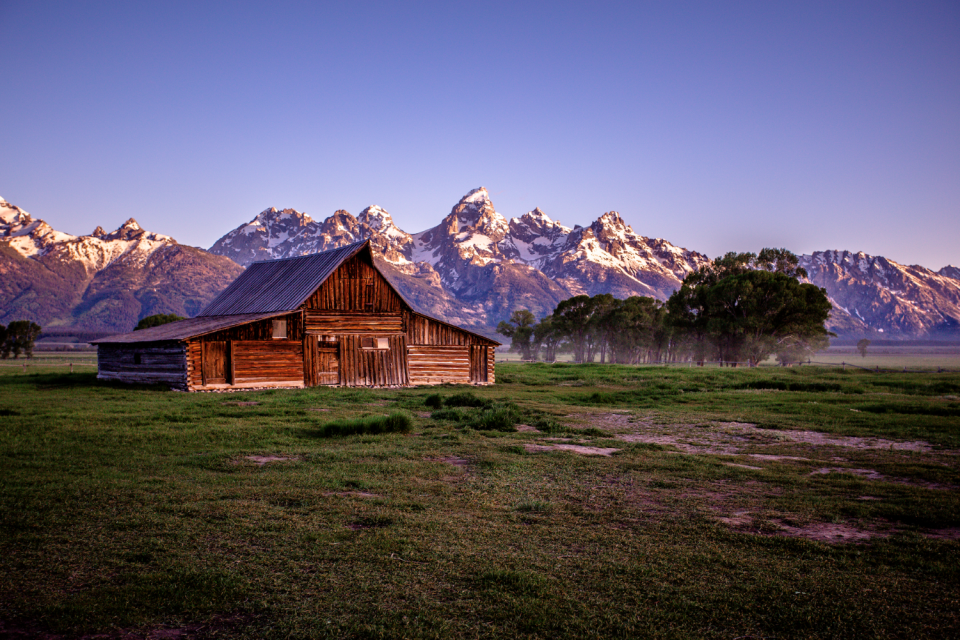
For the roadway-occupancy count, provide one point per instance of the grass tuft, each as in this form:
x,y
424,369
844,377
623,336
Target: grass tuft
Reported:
x,y
398,422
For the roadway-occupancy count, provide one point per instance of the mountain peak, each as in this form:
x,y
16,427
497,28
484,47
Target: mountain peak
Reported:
x,y
476,196
376,218
98,232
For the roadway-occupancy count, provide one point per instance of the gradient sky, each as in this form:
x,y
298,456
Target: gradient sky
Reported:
x,y
719,126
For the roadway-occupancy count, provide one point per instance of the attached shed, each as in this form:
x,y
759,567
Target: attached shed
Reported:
x,y
329,318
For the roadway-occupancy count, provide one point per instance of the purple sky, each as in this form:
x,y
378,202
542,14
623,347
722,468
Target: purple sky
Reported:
x,y
719,126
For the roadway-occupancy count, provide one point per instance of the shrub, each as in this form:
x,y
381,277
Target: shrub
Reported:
x,y
466,399
398,422
434,401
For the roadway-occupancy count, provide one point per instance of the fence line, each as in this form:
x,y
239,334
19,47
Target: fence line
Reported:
x,y
24,365
721,363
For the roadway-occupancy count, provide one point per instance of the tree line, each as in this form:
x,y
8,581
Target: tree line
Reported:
x,y
741,307
18,338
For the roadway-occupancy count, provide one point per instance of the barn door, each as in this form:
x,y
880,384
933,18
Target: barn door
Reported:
x,y
320,362
327,364
216,363
478,364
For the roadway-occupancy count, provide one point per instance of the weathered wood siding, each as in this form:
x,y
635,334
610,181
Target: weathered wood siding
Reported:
x,y
323,323
320,362
260,330
439,353
359,367
161,362
355,287
267,361
251,363
439,364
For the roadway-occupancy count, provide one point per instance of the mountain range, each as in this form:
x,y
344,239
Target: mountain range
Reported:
x,y
473,269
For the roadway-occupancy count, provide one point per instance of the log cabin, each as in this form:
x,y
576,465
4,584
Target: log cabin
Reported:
x,y
329,318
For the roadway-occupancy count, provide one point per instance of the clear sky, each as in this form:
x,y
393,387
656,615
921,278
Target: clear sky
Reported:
x,y
719,126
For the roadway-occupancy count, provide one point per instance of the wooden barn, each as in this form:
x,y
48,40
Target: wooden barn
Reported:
x,y
330,318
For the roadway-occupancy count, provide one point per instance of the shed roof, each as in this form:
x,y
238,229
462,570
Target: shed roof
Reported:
x,y
189,328
279,285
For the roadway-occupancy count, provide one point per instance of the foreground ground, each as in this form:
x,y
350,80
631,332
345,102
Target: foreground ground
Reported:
x,y
797,503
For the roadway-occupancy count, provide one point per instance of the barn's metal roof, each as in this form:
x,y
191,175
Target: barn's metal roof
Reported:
x,y
279,285
189,328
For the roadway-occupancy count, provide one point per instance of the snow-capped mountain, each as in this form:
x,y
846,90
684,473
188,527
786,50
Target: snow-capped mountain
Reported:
x,y
872,294
103,281
473,268
487,263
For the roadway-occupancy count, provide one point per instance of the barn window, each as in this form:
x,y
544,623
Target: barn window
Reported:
x,y
368,297
280,329
375,343
137,358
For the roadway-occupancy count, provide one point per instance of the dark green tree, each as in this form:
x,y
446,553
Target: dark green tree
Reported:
x,y
520,331
19,338
572,319
156,320
747,307
546,338
862,347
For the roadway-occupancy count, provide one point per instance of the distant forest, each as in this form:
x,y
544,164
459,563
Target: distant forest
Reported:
x,y
741,308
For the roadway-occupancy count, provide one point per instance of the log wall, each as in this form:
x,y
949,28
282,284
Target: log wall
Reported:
x,y
439,364
325,323
360,367
252,363
160,362
267,361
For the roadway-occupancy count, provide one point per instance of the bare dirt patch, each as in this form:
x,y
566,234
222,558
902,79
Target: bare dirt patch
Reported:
x,y
526,428
943,534
870,474
262,460
743,466
829,532
731,438
574,448
352,494
454,460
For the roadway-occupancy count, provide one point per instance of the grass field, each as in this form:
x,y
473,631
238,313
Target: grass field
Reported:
x,y
594,501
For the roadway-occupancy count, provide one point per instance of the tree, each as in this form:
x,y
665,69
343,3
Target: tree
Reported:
x,y
156,320
862,347
572,320
747,307
19,338
546,337
520,330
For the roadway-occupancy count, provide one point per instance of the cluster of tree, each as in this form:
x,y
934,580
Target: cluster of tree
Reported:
x,y
156,320
742,307
18,337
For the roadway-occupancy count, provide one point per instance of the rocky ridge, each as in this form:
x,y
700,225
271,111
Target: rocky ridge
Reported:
x,y
103,281
473,269
483,264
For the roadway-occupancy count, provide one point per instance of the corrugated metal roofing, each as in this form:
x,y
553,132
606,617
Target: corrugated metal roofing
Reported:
x,y
279,285
189,328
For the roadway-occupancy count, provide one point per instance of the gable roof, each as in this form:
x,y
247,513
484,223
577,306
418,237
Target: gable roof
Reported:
x,y
280,285
189,328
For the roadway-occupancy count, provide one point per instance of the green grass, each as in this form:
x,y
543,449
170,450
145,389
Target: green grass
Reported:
x,y
127,510
397,422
